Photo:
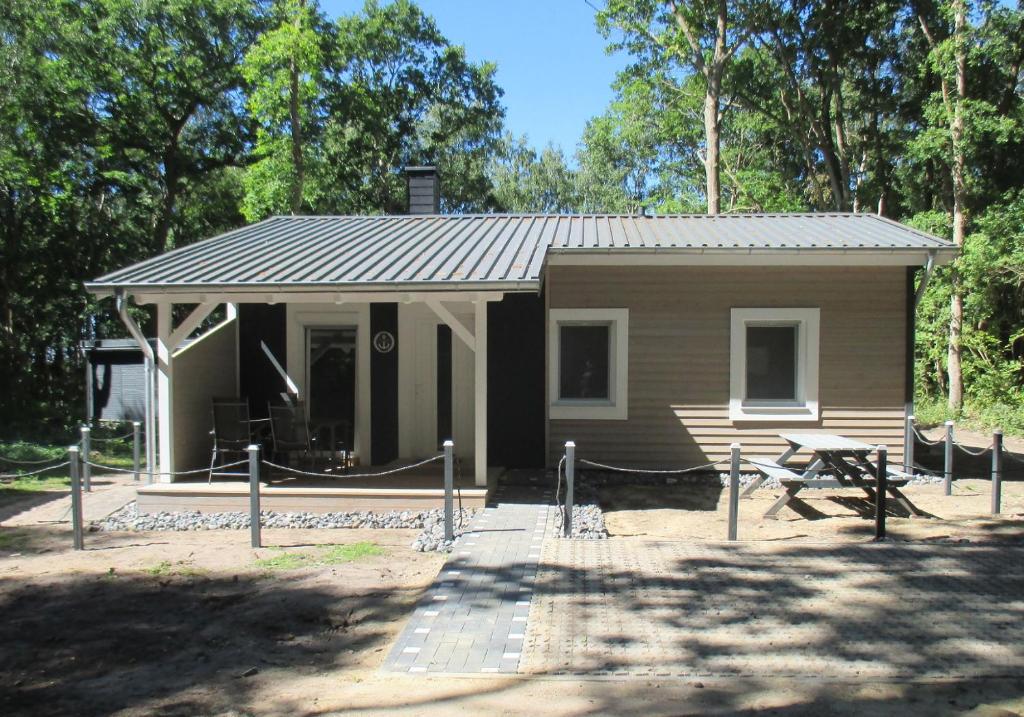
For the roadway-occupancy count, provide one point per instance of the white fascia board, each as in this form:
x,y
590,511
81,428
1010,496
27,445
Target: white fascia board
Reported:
x,y
276,296
184,293
666,256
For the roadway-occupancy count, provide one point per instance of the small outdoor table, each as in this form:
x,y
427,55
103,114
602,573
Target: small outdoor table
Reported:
x,y
847,461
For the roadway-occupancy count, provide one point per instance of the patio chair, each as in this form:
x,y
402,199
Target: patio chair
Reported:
x,y
232,435
289,432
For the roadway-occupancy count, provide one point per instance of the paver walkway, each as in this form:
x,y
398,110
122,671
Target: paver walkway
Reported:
x,y
109,493
473,618
647,608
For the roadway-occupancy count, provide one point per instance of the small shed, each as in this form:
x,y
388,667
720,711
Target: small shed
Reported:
x,y
115,380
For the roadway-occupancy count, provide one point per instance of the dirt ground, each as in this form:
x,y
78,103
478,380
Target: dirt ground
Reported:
x,y
687,512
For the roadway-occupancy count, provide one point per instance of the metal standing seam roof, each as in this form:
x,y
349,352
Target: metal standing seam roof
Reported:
x,y
484,250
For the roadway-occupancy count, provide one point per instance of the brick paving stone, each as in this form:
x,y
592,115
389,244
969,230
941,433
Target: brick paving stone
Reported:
x,y
630,607
477,607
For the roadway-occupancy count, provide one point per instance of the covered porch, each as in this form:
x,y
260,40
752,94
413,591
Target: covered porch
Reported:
x,y
410,370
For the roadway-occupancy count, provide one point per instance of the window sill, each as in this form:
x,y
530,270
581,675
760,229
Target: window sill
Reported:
x,y
589,410
787,412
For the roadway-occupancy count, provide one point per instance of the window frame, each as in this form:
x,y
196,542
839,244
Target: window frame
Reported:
x,y
615,407
805,407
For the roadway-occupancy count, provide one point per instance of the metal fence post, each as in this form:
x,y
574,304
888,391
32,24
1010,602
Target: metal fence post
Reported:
x,y
882,480
449,523
254,496
734,489
997,471
76,497
570,477
136,450
86,468
908,445
947,469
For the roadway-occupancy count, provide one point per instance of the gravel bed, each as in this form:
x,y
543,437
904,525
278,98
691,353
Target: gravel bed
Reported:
x,y
587,522
431,522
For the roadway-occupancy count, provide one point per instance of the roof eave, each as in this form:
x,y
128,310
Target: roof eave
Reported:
x,y
104,289
907,255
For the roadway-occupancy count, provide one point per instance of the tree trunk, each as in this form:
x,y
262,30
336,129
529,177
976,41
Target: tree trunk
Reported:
x,y
162,230
712,138
295,121
298,181
956,319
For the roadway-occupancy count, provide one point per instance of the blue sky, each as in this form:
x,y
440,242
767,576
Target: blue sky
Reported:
x,y
551,59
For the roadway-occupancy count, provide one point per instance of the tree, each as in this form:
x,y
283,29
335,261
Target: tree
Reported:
x,y
285,71
666,38
527,182
166,87
953,81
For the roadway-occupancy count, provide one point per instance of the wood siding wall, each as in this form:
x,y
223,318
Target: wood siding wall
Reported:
x,y
203,370
679,357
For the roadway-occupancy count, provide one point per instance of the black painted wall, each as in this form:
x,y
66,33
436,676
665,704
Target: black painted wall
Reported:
x,y
383,386
258,380
515,380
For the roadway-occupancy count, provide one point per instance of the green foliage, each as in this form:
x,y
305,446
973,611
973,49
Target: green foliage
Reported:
x,y
324,556
131,126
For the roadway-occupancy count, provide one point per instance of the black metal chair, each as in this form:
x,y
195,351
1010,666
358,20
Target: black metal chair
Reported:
x,y
232,435
289,432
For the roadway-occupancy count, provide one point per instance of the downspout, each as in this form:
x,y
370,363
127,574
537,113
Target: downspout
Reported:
x,y
928,267
913,300
147,352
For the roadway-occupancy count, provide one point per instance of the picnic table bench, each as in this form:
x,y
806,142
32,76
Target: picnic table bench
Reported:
x,y
845,459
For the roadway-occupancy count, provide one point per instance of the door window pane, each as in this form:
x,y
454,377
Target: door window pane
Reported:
x,y
771,362
584,362
332,382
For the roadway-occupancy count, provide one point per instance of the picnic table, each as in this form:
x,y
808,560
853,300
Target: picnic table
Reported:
x,y
846,461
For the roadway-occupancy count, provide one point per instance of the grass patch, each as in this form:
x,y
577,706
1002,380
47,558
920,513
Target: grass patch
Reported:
x,y
182,568
13,540
36,484
931,411
285,561
336,554
161,568
117,454
327,555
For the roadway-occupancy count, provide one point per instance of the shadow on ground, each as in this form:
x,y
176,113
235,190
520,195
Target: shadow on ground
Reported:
x,y
95,645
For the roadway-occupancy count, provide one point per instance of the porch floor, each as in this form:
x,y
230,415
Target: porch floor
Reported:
x,y
416,489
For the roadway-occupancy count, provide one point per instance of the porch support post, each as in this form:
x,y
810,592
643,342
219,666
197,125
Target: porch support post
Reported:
x,y
480,393
165,390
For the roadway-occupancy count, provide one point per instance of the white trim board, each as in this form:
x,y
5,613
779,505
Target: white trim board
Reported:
x,y
301,317
805,407
617,405
741,257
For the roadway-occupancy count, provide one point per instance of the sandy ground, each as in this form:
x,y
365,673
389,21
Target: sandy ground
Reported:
x,y
700,513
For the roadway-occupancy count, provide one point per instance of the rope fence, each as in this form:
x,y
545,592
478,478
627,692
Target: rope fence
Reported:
x,y
17,462
651,471
335,476
196,471
38,471
111,439
920,437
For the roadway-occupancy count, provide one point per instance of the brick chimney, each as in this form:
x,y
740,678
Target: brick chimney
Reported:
x,y
424,190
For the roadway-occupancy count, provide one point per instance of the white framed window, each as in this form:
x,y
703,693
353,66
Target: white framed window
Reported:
x,y
773,364
588,363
